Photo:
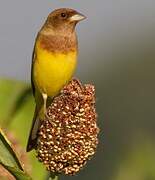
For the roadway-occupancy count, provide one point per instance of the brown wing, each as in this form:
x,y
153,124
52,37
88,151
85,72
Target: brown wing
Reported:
x,y
32,65
32,140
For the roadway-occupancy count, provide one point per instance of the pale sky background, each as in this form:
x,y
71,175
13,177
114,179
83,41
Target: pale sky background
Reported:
x,y
117,54
108,26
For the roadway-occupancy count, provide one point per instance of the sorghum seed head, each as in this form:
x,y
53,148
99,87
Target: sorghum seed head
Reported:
x,y
67,138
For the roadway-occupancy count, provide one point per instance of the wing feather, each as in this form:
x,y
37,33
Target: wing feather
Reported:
x,y
32,66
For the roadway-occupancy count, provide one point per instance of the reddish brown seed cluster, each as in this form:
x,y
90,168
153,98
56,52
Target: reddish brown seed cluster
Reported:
x,y
68,136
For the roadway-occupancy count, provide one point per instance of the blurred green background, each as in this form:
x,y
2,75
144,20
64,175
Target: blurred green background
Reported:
x,y
117,54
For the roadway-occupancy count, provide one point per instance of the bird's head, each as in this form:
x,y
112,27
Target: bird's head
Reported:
x,y
63,20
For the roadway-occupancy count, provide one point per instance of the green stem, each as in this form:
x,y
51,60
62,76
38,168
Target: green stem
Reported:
x,y
53,177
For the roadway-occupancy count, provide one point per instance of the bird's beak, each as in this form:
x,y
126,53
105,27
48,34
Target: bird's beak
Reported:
x,y
77,17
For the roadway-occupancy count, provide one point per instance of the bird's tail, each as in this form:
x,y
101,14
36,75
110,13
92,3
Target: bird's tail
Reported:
x,y
32,140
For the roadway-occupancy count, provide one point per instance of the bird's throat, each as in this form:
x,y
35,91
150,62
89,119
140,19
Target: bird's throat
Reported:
x,y
58,43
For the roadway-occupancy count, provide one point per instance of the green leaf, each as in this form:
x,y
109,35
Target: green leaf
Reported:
x,y
18,174
16,113
10,94
20,125
9,159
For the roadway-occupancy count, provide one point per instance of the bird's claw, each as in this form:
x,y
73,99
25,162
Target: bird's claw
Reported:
x,y
47,116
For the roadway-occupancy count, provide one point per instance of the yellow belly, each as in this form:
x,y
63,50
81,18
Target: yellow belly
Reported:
x,y
51,71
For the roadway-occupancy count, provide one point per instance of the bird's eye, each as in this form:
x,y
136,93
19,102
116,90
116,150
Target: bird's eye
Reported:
x,y
63,15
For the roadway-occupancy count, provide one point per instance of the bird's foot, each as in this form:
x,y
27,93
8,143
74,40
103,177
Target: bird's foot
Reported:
x,y
47,116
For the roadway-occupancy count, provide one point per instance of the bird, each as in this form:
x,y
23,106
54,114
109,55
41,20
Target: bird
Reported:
x,y
54,61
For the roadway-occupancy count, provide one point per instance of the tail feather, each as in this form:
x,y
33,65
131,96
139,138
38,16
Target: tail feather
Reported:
x,y
32,140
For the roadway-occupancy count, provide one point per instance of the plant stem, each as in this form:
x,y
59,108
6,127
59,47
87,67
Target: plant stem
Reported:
x,y
53,177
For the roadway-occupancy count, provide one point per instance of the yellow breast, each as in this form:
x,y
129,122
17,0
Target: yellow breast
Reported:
x,y
51,71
